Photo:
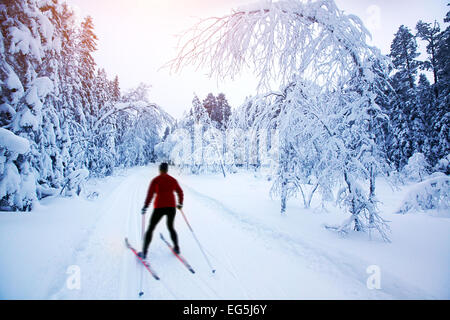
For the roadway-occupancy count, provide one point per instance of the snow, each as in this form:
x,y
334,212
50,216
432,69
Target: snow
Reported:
x,y
47,29
12,142
44,86
76,181
23,41
7,109
326,44
27,190
27,119
431,194
329,150
444,164
10,182
417,167
13,83
258,253
254,6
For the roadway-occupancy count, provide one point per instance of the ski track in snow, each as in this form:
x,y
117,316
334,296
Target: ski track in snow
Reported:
x,y
252,260
110,271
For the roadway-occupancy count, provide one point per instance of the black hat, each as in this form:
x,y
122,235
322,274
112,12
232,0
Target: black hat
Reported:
x,y
164,167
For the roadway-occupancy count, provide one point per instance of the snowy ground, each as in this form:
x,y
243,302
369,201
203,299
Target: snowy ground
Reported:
x,y
258,254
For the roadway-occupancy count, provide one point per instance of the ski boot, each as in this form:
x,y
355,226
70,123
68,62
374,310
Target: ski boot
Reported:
x,y
142,255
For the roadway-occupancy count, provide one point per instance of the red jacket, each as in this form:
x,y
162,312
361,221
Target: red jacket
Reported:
x,y
164,186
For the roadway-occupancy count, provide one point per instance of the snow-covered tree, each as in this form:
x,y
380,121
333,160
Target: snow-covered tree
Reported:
x,y
221,113
70,114
417,168
210,103
430,34
197,144
404,107
418,110
115,90
441,114
431,194
292,41
26,43
16,191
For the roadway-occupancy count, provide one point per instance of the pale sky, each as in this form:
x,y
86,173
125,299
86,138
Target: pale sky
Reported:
x,y
136,37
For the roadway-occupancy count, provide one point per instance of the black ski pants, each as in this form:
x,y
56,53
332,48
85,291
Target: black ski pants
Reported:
x,y
157,214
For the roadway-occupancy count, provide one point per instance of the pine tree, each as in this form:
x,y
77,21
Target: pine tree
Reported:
x,y
403,101
404,54
210,103
430,34
27,56
87,45
222,112
198,110
427,104
435,107
115,90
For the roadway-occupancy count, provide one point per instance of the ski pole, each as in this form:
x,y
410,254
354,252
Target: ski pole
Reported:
x,y
198,242
143,227
141,292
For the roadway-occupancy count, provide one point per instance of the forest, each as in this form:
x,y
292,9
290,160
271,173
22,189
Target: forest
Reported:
x,y
343,115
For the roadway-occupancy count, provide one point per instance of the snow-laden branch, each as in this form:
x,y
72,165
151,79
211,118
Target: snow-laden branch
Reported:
x,y
13,143
278,40
139,106
433,193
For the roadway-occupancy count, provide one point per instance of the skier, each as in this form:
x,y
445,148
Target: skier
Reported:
x,y
164,186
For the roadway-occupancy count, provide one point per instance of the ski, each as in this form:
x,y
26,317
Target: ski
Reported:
x,y
145,263
183,260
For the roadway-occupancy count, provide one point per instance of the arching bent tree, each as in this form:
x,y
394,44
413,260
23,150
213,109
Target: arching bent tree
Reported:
x,y
303,45
278,40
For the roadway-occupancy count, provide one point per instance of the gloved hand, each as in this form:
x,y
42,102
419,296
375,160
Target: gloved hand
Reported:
x,y
144,210
179,206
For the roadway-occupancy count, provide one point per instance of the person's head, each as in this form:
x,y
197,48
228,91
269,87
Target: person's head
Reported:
x,y
163,167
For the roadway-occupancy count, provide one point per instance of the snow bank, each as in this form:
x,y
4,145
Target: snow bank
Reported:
x,y
316,264
12,142
444,164
433,193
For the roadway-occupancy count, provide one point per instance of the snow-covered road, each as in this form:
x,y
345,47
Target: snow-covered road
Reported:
x,y
255,258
